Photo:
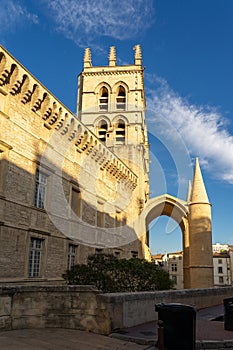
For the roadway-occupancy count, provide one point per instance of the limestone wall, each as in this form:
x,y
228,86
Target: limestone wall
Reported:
x,y
130,309
52,306
85,308
89,197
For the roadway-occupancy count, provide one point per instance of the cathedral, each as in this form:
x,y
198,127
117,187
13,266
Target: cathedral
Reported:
x,y
76,185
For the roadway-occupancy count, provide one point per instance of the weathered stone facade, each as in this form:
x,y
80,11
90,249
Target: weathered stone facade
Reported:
x,y
64,194
73,185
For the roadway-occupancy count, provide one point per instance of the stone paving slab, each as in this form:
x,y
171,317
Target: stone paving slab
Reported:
x,y
62,339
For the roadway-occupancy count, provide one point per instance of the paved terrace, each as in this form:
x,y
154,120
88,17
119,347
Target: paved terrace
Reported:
x,y
210,335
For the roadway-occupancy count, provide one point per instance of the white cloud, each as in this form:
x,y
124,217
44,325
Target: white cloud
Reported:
x,y
12,14
84,21
203,129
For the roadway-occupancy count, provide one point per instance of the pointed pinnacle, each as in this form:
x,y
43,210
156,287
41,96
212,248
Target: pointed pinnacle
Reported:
x,y
199,194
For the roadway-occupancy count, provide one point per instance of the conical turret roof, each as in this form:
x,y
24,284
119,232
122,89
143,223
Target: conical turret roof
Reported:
x,y
198,194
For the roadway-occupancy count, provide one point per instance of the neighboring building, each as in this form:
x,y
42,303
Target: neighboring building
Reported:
x,y
220,248
231,262
222,269
175,269
173,264
222,262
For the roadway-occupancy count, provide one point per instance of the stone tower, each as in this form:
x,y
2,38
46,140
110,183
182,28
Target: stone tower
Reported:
x,y
111,103
200,234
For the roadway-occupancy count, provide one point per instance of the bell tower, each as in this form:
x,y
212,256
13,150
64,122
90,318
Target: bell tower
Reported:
x,y
111,103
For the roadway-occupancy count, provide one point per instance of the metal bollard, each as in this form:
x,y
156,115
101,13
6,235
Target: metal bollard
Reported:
x,y
160,335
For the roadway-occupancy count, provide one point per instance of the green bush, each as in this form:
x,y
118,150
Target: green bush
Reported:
x,y
110,274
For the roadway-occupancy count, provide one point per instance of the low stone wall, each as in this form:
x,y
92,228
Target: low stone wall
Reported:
x,y
52,306
85,308
130,309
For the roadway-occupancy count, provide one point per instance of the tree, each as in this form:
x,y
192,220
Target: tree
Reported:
x,y
110,274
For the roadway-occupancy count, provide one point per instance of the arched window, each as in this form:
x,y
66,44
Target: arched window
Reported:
x,y
103,99
121,98
120,131
102,130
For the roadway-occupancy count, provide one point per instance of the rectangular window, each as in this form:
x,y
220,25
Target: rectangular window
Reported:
x,y
76,201
220,280
35,255
174,267
100,215
117,254
72,252
134,254
174,279
40,189
220,261
220,269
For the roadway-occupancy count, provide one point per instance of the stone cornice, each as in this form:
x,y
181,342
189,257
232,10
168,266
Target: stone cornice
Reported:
x,y
113,72
17,83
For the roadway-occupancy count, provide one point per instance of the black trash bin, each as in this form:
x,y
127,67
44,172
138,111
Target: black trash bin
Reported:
x,y
228,314
179,322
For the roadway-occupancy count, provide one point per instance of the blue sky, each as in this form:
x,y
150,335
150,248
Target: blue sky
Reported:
x,y
187,52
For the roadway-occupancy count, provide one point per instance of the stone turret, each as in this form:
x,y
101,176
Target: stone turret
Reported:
x,y
87,58
112,56
200,234
198,194
138,55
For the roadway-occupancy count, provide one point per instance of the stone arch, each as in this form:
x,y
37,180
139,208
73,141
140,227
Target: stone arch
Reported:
x,y
120,116
166,205
103,92
176,209
102,125
116,86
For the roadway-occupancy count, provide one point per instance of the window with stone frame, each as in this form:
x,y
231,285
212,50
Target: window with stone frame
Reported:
x,y
102,130
4,155
134,254
220,269
40,189
100,218
121,98
220,279
174,267
35,257
103,99
76,201
120,131
72,256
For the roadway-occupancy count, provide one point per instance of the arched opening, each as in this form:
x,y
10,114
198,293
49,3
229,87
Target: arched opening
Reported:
x,y
166,225
103,99
102,130
120,131
165,237
121,98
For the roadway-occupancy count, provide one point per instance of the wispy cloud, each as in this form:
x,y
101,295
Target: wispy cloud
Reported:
x,y
84,21
13,15
202,128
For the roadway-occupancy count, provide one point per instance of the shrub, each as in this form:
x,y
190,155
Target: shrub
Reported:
x,y
110,274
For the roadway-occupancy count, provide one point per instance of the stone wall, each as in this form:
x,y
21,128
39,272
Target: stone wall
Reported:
x,y
85,308
52,306
130,309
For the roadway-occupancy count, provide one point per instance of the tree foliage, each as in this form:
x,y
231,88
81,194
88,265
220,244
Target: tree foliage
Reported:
x,y
110,274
